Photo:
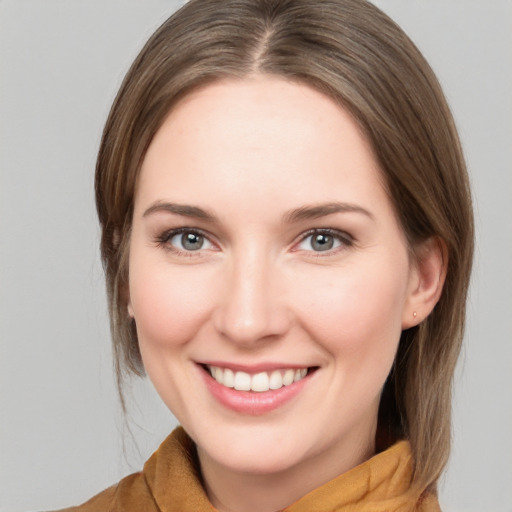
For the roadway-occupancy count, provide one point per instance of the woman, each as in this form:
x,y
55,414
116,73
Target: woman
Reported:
x,y
287,239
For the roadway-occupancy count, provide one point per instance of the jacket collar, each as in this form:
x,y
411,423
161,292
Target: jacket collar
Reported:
x,y
381,484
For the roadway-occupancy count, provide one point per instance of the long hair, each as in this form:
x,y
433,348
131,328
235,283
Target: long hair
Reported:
x,y
353,53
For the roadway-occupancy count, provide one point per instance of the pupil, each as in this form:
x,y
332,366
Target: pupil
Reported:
x,y
192,241
322,242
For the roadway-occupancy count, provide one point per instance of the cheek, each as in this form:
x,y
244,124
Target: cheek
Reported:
x,y
357,311
169,303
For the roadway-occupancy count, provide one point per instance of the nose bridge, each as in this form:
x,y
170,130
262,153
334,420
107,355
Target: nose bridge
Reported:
x,y
251,308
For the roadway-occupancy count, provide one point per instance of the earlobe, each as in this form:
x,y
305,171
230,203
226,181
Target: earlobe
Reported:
x,y
428,274
130,310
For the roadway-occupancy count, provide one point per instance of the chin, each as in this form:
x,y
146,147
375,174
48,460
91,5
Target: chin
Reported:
x,y
252,450
258,463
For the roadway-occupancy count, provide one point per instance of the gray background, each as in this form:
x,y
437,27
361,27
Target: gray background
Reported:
x,y
62,436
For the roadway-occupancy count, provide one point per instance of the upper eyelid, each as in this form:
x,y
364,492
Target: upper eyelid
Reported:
x,y
163,241
165,236
169,233
346,241
330,231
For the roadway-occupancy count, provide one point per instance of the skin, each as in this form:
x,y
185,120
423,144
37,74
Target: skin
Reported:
x,y
249,152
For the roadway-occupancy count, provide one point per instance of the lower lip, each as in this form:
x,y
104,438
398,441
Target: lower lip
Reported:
x,y
251,402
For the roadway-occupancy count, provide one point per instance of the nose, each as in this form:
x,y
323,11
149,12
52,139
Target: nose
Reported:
x,y
252,302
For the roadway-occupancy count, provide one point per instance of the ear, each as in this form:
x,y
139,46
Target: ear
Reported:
x,y
124,291
125,297
128,300
426,281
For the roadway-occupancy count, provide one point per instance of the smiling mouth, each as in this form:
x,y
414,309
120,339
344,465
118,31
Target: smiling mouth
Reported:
x,y
258,382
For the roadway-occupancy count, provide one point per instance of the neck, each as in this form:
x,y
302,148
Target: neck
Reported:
x,y
243,491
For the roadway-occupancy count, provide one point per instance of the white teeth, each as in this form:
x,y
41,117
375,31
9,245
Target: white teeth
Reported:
x,y
218,374
242,381
259,382
276,380
288,377
229,378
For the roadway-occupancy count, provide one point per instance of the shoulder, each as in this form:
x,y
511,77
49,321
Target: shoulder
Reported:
x,y
170,480
131,494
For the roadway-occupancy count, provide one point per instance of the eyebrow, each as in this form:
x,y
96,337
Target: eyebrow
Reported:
x,y
296,215
321,210
180,209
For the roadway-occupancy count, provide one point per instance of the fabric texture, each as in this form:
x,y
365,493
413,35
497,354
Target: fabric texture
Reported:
x,y
170,482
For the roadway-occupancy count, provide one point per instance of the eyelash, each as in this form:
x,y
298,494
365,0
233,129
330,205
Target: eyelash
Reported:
x,y
164,239
342,237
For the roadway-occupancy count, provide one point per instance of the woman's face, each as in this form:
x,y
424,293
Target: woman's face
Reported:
x,y
265,252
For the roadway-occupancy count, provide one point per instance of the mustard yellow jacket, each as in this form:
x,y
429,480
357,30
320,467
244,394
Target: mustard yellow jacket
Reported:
x,y
170,482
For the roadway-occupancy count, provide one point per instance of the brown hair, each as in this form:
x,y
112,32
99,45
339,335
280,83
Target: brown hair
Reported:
x,y
352,52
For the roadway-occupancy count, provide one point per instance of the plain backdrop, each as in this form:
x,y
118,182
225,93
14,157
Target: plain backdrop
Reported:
x,y
62,436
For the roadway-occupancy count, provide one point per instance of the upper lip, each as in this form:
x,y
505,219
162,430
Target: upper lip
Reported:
x,y
254,368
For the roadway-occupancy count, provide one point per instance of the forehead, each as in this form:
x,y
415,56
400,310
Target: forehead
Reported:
x,y
260,136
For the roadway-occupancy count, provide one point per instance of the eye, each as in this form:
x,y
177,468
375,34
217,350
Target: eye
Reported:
x,y
323,241
186,240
